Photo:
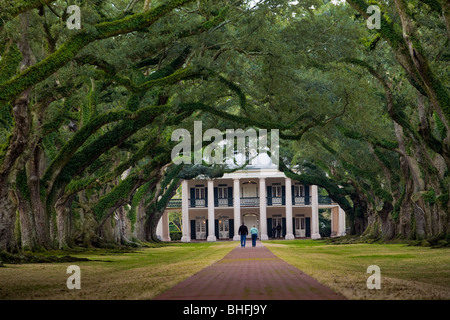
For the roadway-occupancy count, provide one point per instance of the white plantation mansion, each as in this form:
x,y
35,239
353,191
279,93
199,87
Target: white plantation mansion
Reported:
x,y
259,195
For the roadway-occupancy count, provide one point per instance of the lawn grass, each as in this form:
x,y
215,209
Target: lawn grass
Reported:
x,y
138,274
407,272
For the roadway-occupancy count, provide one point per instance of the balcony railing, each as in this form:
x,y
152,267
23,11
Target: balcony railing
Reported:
x,y
301,200
250,202
276,201
174,203
200,202
224,202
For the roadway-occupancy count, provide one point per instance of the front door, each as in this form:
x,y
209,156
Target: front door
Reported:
x,y
275,222
200,228
300,227
250,221
224,230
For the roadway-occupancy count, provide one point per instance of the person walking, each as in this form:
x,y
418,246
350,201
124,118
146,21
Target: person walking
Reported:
x,y
243,232
254,233
274,231
278,231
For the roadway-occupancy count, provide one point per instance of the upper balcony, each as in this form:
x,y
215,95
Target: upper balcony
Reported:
x,y
250,189
248,202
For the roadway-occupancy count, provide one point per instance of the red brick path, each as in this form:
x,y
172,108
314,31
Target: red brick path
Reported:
x,y
250,274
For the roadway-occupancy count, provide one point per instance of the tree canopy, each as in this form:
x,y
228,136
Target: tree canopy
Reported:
x,y
86,115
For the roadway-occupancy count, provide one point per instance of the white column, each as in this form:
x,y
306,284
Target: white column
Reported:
x,y
159,230
341,231
263,209
185,223
211,234
165,226
236,208
288,200
315,213
334,221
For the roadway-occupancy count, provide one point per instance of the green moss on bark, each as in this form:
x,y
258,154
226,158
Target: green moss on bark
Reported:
x,y
9,62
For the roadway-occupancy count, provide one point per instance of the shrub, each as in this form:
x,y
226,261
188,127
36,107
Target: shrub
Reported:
x,y
175,235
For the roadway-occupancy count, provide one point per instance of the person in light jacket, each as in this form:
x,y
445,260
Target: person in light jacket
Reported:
x,y
254,233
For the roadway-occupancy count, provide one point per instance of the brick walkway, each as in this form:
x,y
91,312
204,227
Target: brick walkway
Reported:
x,y
250,274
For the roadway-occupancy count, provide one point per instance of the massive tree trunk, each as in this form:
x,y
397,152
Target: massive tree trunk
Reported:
x,y
424,184
8,199
62,223
403,205
151,224
123,228
85,231
40,216
388,225
380,223
358,220
373,229
28,232
161,198
139,226
7,220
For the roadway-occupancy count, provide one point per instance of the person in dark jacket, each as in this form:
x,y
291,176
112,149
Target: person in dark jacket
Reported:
x,y
243,232
278,231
